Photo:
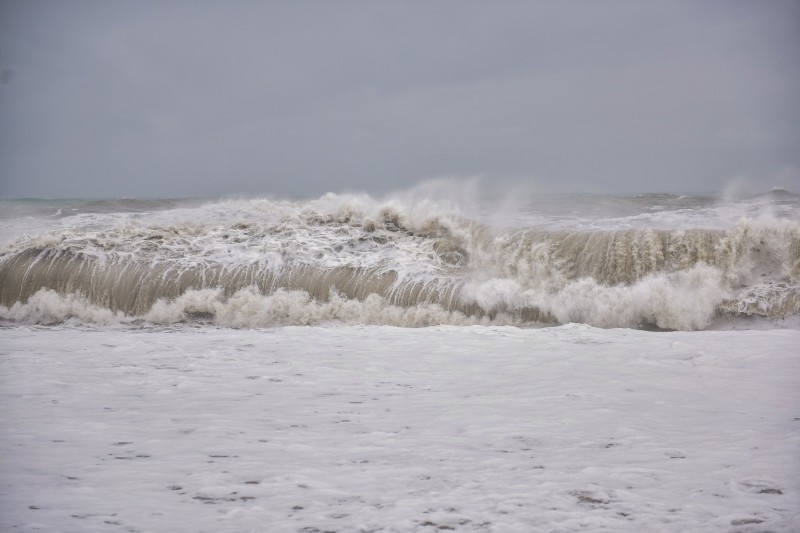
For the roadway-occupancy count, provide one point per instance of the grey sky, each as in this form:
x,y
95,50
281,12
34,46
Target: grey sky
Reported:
x,y
199,98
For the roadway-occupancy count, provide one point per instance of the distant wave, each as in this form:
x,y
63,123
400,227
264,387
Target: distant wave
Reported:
x,y
403,263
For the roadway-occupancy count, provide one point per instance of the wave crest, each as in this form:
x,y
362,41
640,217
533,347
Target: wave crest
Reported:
x,y
401,262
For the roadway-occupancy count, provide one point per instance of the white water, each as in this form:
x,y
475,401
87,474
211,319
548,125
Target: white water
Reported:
x,y
157,371
473,429
412,259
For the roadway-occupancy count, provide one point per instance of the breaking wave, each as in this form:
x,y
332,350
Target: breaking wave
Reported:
x,y
407,261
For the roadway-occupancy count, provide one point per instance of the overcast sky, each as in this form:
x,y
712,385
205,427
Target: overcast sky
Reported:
x,y
204,98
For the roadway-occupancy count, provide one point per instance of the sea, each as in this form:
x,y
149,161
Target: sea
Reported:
x,y
448,357
441,253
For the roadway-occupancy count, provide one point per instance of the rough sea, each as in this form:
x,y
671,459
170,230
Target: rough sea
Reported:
x,y
443,358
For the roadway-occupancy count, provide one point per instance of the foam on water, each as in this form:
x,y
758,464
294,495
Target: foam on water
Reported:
x,y
432,255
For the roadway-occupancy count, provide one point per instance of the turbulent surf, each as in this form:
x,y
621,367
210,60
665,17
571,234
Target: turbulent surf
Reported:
x,y
413,259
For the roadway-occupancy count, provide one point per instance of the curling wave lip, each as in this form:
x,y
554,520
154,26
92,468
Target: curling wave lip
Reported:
x,y
397,262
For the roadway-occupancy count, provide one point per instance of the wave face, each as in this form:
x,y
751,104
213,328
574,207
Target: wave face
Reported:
x,y
425,257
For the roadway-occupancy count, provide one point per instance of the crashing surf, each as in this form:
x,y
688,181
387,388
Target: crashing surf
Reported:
x,y
404,261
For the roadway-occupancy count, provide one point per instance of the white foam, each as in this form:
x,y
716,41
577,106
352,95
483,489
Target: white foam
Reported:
x,y
248,308
470,429
47,306
685,300
430,236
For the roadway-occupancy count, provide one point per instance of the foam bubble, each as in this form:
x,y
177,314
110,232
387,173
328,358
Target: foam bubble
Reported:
x,y
46,306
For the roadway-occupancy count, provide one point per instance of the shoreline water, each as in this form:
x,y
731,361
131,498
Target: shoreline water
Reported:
x,y
376,428
226,405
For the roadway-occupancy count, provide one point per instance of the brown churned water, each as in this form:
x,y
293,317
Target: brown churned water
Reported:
x,y
410,262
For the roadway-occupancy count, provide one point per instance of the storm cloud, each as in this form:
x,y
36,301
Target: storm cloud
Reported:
x,y
200,98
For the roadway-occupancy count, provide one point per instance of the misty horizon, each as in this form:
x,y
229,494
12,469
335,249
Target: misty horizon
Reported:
x,y
205,99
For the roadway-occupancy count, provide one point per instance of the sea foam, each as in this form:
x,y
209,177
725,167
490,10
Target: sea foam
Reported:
x,y
412,259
